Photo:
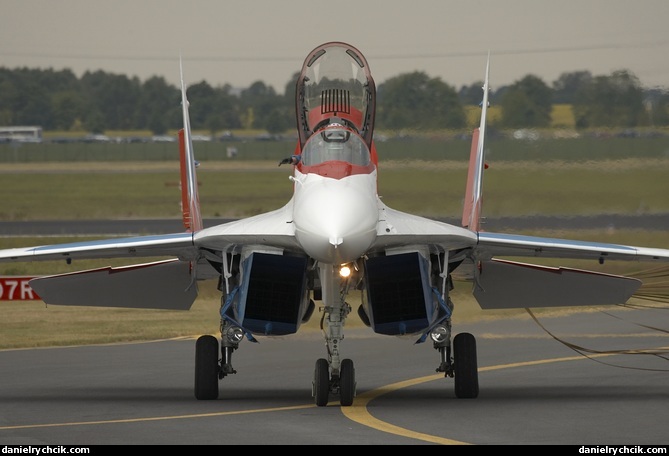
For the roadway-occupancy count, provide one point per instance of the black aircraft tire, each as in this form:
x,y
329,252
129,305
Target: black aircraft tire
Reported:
x,y
346,383
322,382
466,366
206,368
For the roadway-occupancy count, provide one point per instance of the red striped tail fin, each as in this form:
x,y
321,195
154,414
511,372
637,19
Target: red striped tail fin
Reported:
x,y
471,213
190,200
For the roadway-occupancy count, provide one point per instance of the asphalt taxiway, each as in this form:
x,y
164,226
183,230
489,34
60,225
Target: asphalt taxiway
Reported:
x,y
534,389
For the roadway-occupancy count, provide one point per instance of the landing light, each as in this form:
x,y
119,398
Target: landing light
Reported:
x,y
345,271
234,334
439,334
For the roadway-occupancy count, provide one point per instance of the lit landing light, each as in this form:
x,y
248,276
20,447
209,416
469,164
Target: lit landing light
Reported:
x,y
345,271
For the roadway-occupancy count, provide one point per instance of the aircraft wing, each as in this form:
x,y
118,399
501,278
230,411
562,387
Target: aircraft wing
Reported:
x,y
272,228
500,244
398,229
178,245
165,284
499,283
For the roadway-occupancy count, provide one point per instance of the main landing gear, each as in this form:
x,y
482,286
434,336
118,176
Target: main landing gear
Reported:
x,y
208,370
334,376
341,384
330,380
464,365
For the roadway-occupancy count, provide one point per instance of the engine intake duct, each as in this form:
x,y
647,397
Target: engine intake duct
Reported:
x,y
272,293
399,295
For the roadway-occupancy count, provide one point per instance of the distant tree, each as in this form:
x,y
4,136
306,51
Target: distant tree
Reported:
x,y
94,121
102,101
202,102
8,95
156,102
471,95
289,89
55,81
35,106
266,109
414,100
498,93
288,111
527,103
657,105
66,109
23,100
611,101
213,108
114,97
228,107
568,85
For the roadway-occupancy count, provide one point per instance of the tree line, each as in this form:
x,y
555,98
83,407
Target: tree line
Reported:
x,y
99,101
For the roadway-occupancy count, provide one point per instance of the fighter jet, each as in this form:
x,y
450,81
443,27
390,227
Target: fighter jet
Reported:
x,y
334,237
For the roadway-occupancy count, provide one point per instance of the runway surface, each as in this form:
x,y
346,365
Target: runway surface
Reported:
x,y
533,390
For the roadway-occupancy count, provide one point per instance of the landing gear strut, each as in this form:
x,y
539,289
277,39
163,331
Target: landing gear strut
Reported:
x,y
333,375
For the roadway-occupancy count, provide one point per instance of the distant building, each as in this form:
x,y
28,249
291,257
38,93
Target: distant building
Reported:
x,y
22,134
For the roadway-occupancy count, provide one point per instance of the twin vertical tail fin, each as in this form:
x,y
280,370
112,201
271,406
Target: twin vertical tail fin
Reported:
x,y
471,214
190,200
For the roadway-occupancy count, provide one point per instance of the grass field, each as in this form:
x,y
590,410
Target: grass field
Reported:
x,y
86,190
55,191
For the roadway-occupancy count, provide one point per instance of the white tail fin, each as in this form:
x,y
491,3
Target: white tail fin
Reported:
x,y
190,200
471,214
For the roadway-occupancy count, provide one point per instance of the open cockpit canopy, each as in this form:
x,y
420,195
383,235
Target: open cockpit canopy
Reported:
x,y
335,86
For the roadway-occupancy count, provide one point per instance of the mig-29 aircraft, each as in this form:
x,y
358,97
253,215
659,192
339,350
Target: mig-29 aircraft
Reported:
x,y
333,237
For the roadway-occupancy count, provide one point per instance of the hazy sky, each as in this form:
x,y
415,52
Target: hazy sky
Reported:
x,y
243,41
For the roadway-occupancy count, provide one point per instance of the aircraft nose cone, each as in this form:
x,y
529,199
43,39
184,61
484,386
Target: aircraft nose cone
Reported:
x,y
335,222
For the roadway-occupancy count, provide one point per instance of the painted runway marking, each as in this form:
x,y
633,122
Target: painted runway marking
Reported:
x,y
157,418
357,412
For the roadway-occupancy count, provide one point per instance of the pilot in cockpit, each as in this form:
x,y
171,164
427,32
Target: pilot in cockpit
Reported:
x,y
336,141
